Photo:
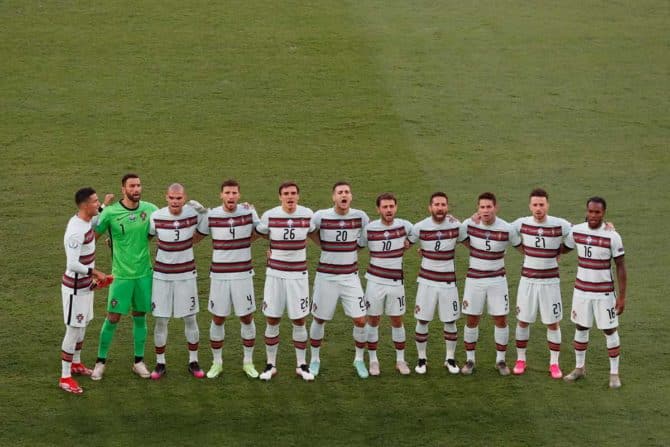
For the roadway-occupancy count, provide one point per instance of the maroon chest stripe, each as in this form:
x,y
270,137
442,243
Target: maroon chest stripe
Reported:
x,y
341,224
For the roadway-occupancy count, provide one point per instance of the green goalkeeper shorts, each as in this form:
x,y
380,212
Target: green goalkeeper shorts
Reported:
x,y
130,294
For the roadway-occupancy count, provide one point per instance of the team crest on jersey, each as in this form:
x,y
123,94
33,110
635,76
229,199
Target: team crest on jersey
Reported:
x,y
231,222
80,318
386,234
176,224
465,304
342,224
132,217
114,302
588,240
487,235
540,232
289,223
439,235
143,216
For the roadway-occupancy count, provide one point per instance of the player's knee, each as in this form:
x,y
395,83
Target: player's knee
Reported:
x,y
113,317
246,319
396,321
552,326
609,331
373,320
272,321
359,322
299,322
321,321
138,314
500,321
218,320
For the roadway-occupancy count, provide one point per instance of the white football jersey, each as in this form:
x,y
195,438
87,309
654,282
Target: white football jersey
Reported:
x,y
438,243
79,243
541,245
387,246
231,241
595,250
288,240
174,237
488,244
339,235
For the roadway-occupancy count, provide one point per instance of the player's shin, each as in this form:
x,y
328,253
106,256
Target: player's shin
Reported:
x,y
450,339
521,335
613,348
139,336
248,335
372,335
300,343
106,336
360,340
470,338
501,336
316,333
76,358
217,335
67,349
581,343
271,343
160,338
554,342
421,338
398,336
192,334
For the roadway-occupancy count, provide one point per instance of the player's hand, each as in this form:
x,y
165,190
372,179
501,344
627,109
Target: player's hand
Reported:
x,y
407,244
199,207
609,226
106,281
248,206
108,199
268,253
620,305
108,242
476,219
98,276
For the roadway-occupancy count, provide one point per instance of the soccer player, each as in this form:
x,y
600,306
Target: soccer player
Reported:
x,y
339,229
127,223
78,282
286,282
594,295
539,287
386,239
486,282
174,289
231,226
437,235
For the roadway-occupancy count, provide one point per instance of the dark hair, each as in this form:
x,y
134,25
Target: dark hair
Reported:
x,y
487,196
386,196
341,183
437,194
539,192
230,183
288,185
125,178
597,199
83,194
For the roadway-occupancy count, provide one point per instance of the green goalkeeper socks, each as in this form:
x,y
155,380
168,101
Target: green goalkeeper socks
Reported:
x,y
106,336
139,334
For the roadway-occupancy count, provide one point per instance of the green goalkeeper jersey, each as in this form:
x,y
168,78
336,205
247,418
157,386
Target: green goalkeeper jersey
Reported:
x,y
129,232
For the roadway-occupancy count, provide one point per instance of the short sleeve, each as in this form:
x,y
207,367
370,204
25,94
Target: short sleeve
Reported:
x,y
617,246
203,224
263,227
463,231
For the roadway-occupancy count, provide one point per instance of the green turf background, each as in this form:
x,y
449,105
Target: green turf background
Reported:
x,y
409,97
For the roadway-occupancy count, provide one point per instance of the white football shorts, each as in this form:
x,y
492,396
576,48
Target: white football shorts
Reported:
x,y
174,298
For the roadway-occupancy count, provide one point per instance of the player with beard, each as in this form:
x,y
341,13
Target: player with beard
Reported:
x,y
387,240
127,224
338,231
437,235
594,296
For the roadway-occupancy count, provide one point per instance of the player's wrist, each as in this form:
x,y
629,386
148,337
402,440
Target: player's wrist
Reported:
x,y
101,207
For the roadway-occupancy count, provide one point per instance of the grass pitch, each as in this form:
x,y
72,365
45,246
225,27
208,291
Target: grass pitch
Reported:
x,y
407,97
